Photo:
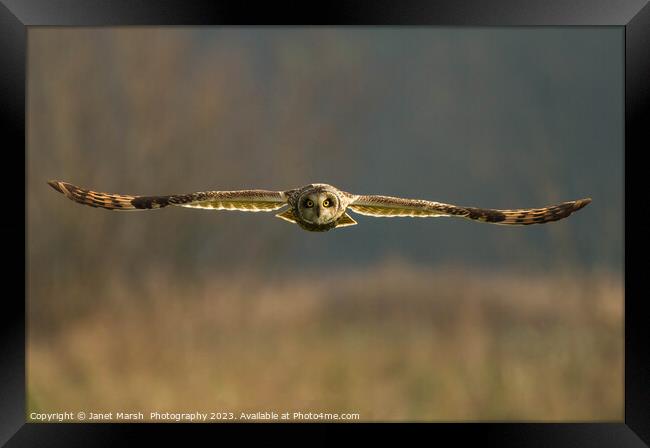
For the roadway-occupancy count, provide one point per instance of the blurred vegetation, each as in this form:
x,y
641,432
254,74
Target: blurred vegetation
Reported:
x,y
187,309
393,342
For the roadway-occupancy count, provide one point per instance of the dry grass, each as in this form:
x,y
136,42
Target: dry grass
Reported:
x,y
392,342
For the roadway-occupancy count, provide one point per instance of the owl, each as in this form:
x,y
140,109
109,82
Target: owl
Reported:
x,y
318,207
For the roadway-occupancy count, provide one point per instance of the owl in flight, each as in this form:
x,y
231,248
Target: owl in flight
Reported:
x,y
318,207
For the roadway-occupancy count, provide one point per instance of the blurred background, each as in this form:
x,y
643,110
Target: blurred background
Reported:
x,y
396,319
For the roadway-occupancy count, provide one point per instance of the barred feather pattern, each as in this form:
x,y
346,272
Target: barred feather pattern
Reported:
x,y
242,200
525,217
94,198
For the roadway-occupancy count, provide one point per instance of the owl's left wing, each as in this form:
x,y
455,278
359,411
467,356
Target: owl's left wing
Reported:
x,y
242,200
387,206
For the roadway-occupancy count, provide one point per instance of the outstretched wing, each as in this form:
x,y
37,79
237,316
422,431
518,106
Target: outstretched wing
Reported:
x,y
243,200
387,207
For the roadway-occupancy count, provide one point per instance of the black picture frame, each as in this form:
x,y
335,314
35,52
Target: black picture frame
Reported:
x,y
633,15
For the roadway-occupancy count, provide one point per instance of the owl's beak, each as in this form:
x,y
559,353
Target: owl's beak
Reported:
x,y
317,211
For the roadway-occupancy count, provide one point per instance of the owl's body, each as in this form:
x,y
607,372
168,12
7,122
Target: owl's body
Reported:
x,y
318,207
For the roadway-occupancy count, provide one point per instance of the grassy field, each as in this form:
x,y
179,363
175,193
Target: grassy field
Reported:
x,y
391,343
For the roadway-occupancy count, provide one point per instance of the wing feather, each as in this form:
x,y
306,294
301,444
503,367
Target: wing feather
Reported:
x,y
241,200
387,207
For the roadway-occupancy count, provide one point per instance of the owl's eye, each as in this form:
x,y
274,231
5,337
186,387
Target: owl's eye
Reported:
x,y
309,203
327,203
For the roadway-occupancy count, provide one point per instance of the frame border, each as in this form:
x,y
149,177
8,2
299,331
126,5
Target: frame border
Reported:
x,y
632,15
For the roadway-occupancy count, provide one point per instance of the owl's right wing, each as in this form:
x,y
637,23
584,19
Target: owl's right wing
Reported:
x,y
387,206
242,200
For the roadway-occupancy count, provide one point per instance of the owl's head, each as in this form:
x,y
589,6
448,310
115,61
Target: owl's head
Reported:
x,y
319,205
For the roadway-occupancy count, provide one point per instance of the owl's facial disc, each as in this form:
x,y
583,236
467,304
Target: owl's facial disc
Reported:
x,y
320,207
